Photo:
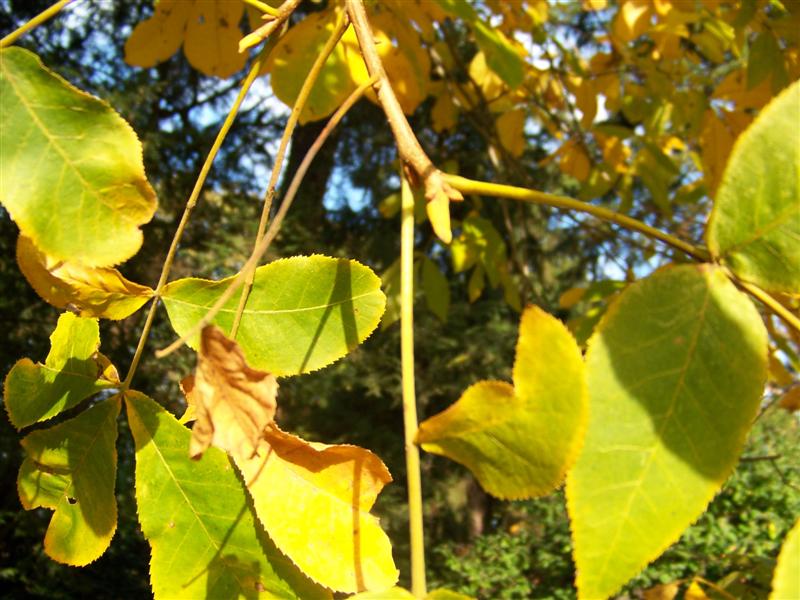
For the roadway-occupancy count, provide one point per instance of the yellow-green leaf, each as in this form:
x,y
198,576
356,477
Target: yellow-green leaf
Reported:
x,y
71,167
204,539
303,312
436,289
786,581
314,501
91,292
676,370
519,441
73,371
755,224
71,468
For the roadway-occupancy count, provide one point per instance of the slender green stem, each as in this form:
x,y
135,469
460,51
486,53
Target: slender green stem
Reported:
x,y
470,186
771,303
187,211
410,425
263,7
43,16
263,246
291,123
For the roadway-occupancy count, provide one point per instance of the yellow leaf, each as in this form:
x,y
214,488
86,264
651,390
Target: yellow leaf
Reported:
x,y
487,80
571,297
328,491
438,209
717,137
615,152
778,372
155,39
791,400
511,131
734,89
232,402
595,4
667,591
90,292
695,592
208,29
574,160
632,20
585,98
444,114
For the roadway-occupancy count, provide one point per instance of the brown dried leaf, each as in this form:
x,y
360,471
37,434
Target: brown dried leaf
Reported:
x,y
233,403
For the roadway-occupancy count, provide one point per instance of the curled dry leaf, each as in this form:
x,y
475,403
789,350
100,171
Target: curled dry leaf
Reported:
x,y
91,292
232,402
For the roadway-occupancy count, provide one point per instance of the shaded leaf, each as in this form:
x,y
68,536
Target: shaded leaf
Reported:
x,y
232,402
675,370
303,312
71,468
786,581
203,501
63,151
328,491
755,224
92,292
511,131
436,289
72,372
207,29
519,441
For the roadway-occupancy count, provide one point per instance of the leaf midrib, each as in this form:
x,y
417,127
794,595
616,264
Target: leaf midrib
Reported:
x,y
273,311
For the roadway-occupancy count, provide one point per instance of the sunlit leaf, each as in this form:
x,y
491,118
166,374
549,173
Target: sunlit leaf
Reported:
x,y
632,20
313,500
71,167
71,468
303,312
511,131
92,292
73,371
675,370
755,224
204,539
398,593
207,29
519,441
232,402
786,581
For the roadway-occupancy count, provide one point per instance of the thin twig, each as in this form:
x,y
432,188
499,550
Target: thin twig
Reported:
x,y
291,122
43,16
771,303
274,227
438,192
284,11
187,211
263,7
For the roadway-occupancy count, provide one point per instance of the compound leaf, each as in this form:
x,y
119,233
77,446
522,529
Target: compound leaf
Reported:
x,y
313,500
519,441
303,312
72,468
71,167
755,224
675,370
92,292
197,519
73,371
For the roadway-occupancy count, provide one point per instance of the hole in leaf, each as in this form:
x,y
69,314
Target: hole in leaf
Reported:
x,y
72,500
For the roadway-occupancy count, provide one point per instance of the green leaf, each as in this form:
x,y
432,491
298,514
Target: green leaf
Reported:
x,y
197,519
519,441
72,468
675,370
72,372
303,312
500,53
71,167
755,224
786,581
436,288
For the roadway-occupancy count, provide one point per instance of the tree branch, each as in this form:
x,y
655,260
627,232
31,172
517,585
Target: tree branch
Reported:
x,y
438,192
